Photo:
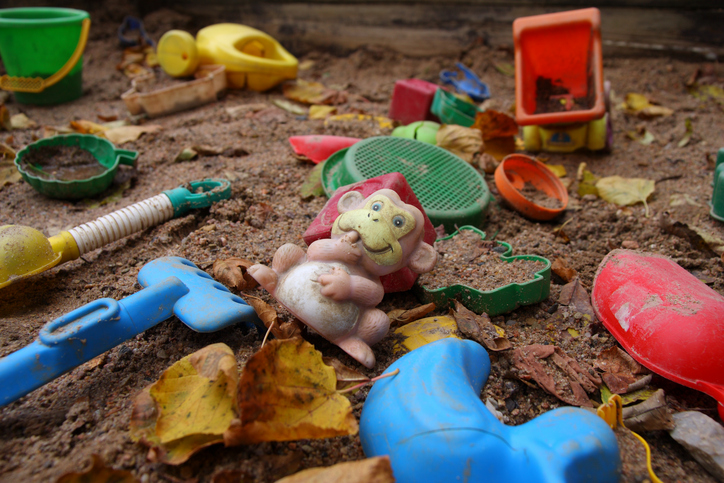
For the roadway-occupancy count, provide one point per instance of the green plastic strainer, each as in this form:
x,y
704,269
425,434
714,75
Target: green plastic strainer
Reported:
x,y
451,190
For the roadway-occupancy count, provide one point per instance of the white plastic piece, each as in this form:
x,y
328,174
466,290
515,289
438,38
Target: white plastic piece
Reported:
x,y
122,223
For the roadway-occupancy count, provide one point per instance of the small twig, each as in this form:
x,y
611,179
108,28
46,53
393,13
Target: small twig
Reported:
x,y
374,379
268,330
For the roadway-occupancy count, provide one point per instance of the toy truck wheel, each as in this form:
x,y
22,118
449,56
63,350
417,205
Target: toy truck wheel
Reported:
x,y
598,134
531,138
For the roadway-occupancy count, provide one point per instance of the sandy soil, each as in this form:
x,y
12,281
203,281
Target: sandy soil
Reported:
x,y
56,428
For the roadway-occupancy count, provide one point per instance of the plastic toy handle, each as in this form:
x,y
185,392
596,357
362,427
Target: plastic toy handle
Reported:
x,y
198,194
126,156
130,24
83,334
38,84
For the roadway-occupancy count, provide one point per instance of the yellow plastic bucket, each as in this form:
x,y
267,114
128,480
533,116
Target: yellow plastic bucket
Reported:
x,y
42,50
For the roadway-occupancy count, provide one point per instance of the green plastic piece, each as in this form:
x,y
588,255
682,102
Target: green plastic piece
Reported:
x,y
425,131
450,190
500,300
103,150
452,110
37,42
198,194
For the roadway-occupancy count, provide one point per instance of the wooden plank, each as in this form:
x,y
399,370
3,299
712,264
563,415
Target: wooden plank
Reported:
x,y
435,28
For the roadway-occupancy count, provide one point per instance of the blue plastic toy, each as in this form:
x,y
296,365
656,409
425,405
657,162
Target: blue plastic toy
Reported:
x,y
470,84
131,24
174,286
431,422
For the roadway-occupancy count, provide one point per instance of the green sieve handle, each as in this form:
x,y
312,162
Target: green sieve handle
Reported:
x,y
198,194
126,156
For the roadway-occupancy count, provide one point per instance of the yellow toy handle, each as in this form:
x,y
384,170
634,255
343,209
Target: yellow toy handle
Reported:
x,y
38,84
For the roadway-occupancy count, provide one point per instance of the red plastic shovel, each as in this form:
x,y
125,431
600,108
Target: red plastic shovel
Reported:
x,y
663,316
319,147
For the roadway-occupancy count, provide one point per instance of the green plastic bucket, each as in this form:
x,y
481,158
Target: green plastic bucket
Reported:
x,y
37,42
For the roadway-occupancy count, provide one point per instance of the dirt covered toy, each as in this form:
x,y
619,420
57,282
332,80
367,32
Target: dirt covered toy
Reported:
x,y
335,286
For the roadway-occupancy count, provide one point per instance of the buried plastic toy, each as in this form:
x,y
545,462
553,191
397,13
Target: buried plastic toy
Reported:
x,y
431,422
335,286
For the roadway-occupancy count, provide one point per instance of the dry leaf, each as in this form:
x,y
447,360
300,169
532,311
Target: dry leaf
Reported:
x,y
205,150
321,112
287,392
291,107
313,93
463,142
561,268
312,185
8,171
640,105
495,124
625,191
98,473
402,316
126,134
642,135
269,316
651,415
479,328
499,148
371,470
236,111
87,127
421,332
575,296
5,118
382,122
586,181
233,476
550,367
488,163
683,230
21,121
186,154
620,371
346,376
687,136
189,407
232,272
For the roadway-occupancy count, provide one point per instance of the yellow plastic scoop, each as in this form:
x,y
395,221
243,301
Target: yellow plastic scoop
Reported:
x,y
38,84
25,251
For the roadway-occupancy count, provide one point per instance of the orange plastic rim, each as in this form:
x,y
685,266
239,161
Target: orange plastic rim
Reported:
x,y
517,169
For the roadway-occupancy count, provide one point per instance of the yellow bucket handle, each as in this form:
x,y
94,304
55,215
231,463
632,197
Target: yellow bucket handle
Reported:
x,y
38,84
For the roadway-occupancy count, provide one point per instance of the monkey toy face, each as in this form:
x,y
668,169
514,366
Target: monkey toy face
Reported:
x,y
390,232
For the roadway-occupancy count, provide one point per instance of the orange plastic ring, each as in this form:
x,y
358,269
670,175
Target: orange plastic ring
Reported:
x,y
511,176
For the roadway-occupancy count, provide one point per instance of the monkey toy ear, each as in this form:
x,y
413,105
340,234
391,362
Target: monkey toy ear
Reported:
x,y
423,259
349,201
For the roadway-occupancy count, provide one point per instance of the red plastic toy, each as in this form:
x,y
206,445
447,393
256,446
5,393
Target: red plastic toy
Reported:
x,y
411,101
321,227
319,147
665,318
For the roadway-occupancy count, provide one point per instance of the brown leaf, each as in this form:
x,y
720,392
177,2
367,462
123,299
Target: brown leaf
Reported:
x,y
576,297
488,163
619,369
313,93
560,376
287,392
463,142
5,118
268,315
371,470
479,328
346,376
280,465
499,148
561,268
98,473
232,272
402,316
495,124
232,476
650,415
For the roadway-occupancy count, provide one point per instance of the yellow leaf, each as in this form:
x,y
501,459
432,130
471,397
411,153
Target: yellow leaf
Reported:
x,y
98,473
382,122
286,392
377,470
86,127
186,154
321,112
421,332
574,333
689,131
494,124
8,171
586,181
640,105
312,93
625,191
463,142
291,107
558,169
196,394
644,136
125,134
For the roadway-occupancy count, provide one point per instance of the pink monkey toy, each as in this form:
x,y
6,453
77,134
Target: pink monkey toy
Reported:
x,y
335,286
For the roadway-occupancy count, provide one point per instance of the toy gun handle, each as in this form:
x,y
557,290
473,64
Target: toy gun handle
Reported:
x,y
83,334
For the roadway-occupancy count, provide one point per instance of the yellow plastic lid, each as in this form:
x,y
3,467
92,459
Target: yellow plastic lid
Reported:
x,y
177,53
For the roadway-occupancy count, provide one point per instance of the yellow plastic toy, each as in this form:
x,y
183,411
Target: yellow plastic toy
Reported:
x,y
252,58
